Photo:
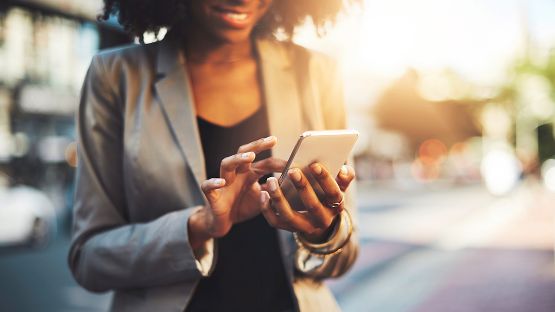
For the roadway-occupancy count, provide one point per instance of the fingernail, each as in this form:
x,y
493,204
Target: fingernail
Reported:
x,y
264,196
270,138
295,174
218,181
316,168
272,184
246,155
344,170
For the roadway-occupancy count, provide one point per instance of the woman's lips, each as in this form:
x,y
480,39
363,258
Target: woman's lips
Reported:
x,y
233,18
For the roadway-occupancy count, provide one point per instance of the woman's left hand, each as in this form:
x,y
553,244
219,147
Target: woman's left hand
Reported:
x,y
314,223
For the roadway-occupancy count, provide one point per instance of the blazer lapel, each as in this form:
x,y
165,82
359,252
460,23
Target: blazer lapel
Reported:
x,y
175,93
281,95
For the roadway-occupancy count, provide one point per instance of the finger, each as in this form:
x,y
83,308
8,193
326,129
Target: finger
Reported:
x,y
264,167
211,187
317,212
328,184
251,177
286,189
256,187
345,177
264,187
293,219
258,145
230,164
268,165
267,212
253,186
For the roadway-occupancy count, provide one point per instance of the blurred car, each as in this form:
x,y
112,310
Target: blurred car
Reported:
x,y
27,217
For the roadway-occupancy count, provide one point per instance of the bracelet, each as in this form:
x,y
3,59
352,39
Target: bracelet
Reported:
x,y
331,246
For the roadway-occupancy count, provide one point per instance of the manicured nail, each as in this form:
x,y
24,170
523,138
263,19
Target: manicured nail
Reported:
x,y
344,170
295,174
269,139
316,168
246,155
218,181
264,196
272,184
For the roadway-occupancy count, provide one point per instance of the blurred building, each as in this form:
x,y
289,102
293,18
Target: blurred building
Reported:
x,y
402,109
45,50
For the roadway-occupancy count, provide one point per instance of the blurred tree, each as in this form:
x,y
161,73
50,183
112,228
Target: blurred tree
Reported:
x,y
529,95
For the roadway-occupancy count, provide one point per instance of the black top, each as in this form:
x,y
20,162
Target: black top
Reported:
x,y
249,273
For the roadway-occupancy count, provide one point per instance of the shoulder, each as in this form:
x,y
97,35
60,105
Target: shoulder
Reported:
x,y
129,57
120,69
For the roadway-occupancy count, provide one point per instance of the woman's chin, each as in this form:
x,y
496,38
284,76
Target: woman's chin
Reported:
x,y
233,36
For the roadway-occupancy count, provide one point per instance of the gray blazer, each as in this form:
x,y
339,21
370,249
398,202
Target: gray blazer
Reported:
x,y
141,164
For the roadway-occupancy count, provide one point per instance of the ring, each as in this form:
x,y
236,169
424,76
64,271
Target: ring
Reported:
x,y
336,205
274,210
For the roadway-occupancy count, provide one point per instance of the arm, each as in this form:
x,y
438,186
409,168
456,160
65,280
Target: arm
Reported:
x,y
107,252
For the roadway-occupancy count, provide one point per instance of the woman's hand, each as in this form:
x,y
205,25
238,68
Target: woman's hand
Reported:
x,y
314,223
234,197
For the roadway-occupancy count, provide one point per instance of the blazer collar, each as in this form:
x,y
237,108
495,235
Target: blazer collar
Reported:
x,y
279,88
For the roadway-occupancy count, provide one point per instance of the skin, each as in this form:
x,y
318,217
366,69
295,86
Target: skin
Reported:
x,y
221,61
223,69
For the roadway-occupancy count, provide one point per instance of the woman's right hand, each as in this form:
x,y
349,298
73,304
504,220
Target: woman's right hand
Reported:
x,y
233,198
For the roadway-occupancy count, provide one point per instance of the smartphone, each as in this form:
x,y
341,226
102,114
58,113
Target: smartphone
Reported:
x,y
331,148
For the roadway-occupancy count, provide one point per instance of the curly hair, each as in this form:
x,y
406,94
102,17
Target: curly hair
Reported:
x,y
140,16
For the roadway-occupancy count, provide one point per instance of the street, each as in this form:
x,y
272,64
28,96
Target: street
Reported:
x,y
39,280
453,250
437,248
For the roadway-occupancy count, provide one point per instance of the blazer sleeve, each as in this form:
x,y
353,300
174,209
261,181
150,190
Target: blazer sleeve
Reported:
x,y
329,85
107,252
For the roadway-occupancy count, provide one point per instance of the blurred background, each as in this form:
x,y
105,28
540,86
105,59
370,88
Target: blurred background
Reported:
x,y
455,102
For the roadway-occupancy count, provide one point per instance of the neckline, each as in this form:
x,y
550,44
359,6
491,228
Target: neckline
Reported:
x,y
235,125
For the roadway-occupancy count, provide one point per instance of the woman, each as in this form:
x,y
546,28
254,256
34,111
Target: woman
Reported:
x,y
171,210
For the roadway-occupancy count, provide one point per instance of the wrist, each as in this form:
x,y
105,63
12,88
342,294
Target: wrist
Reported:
x,y
340,237
197,228
323,235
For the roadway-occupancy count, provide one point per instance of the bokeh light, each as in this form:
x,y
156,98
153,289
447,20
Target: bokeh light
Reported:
x,y
548,174
501,171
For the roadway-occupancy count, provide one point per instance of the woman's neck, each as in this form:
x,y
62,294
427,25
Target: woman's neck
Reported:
x,y
204,49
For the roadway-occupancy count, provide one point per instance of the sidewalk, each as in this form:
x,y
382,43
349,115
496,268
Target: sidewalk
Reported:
x,y
454,250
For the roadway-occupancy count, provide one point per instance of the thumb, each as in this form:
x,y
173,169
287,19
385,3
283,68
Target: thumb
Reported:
x,y
211,189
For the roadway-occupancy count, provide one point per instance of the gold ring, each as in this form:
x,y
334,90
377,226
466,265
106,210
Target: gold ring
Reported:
x,y
275,211
336,205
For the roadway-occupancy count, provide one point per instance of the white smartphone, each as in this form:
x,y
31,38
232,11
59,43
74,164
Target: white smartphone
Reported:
x,y
330,148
